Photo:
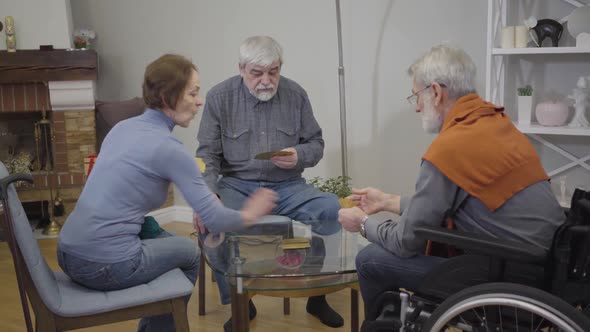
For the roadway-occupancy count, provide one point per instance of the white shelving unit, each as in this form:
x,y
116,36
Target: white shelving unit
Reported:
x,y
496,76
540,50
538,129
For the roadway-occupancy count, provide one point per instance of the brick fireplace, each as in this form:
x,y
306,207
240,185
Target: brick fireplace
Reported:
x,y
57,86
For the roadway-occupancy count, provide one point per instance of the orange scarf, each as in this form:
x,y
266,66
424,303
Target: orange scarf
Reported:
x,y
481,151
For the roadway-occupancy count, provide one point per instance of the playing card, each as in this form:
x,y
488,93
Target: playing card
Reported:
x,y
270,154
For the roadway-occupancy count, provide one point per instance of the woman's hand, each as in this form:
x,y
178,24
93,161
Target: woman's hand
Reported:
x,y
198,223
259,204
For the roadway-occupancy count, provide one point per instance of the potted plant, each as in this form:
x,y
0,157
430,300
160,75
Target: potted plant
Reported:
x,y
82,38
525,104
339,186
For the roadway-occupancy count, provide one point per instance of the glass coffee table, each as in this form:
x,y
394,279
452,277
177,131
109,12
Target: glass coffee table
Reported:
x,y
285,259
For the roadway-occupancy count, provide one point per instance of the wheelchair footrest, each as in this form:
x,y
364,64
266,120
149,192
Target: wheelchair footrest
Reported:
x,y
380,326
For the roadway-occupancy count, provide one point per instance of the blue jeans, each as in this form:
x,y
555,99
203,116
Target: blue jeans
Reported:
x,y
157,257
297,200
379,271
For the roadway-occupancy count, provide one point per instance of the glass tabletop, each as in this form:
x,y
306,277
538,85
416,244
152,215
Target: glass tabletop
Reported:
x,y
285,249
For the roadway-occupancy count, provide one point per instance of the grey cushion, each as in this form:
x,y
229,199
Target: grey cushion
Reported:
x,y
79,300
64,297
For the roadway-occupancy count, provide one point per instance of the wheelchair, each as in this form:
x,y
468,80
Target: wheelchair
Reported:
x,y
498,285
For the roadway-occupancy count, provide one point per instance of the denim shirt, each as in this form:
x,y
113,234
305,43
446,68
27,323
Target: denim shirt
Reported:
x,y
236,126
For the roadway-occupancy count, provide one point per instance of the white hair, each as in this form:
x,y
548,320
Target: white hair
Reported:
x,y
446,65
260,51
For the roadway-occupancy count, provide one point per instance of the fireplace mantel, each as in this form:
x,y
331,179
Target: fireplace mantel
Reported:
x,y
25,66
68,75
62,83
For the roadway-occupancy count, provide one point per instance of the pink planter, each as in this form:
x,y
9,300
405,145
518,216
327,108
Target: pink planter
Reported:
x,y
552,113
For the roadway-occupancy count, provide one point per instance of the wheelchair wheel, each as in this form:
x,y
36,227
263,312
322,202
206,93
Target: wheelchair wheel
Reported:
x,y
505,307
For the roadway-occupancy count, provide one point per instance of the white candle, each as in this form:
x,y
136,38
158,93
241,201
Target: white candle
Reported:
x,y
521,36
507,37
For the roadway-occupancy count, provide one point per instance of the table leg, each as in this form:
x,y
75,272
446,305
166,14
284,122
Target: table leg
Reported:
x,y
354,310
202,285
286,306
239,310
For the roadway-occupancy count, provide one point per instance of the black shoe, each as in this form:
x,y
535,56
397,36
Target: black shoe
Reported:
x,y
251,310
227,327
319,307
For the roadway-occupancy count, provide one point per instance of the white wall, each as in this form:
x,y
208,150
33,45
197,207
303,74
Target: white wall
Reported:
x,y
38,22
132,33
381,39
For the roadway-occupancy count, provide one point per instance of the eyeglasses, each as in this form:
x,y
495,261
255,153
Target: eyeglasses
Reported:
x,y
413,98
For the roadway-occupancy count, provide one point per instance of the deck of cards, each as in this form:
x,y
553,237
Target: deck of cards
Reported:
x,y
295,243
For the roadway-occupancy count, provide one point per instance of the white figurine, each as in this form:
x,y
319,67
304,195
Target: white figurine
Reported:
x,y
580,96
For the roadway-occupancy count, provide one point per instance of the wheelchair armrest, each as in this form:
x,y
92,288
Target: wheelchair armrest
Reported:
x,y
484,245
580,229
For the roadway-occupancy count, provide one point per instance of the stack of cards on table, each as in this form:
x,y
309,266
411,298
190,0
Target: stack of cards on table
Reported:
x,y
295,243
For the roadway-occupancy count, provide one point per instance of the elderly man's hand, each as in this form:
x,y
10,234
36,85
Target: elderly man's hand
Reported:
x,y
372,200
350,218
286,162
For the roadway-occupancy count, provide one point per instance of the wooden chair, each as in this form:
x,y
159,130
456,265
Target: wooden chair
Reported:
x,y
60,304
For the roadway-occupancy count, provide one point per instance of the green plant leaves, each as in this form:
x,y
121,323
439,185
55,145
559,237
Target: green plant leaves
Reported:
x,y
337,185
525,91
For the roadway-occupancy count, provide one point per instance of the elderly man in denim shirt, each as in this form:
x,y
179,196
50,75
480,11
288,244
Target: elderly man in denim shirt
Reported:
x,y
259,111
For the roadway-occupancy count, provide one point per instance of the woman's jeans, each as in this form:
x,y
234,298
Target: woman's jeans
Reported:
x,y
157,257
297,200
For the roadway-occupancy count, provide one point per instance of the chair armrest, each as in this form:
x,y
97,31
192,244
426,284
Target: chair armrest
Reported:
x,y
484,245
6,181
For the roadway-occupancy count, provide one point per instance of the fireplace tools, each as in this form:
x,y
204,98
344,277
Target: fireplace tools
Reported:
x,y
44,134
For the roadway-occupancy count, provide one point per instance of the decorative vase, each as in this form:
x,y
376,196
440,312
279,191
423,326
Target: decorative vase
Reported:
x,y
552,113
578,25
525,107
80,44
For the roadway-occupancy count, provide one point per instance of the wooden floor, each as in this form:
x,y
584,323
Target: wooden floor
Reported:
x,y
270,311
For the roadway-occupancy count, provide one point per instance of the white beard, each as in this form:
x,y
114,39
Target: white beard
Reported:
x,y
431,120
264,96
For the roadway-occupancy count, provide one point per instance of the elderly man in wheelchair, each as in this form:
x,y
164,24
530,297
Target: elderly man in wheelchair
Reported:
x,y
524,264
